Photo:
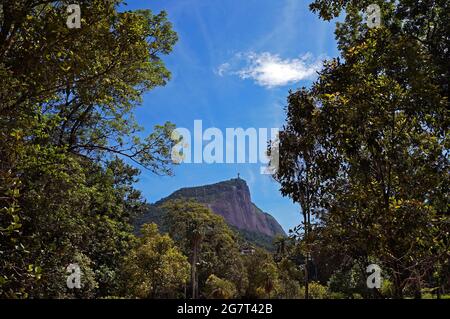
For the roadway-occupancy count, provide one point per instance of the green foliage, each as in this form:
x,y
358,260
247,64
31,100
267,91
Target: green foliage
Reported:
x,y
290,276
317,291
205,237
155,268
262,272
66,126
349,282
365,150
387,288
259,239
216,288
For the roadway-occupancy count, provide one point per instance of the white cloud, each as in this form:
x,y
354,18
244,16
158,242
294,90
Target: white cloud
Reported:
x,y
269,70
223,68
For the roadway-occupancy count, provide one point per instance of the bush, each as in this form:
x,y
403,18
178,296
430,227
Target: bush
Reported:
x,y
217,288
155,268
348,282
387,288
337,295
316,291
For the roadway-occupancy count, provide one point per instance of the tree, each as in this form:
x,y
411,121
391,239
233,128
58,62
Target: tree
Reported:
x,y
156,268
217,288
350,282
289,259
262,275
207,240
377,119
299,172
66,102
98,75
318,291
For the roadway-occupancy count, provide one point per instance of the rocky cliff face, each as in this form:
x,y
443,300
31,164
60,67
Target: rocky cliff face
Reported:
x,y
231,199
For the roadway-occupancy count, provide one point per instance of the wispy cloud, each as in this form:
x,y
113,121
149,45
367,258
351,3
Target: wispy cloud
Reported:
x,y
223,69
270,70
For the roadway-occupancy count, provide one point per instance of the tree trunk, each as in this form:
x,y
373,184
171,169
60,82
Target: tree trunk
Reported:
x,y
194,270
418,289
306,280
398,289
306,223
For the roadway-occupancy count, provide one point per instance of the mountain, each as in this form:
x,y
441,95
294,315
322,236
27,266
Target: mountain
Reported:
x,y
230,199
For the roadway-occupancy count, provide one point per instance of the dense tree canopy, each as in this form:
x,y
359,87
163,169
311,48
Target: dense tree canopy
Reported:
x,y
211,246
67,133
365,150
156,268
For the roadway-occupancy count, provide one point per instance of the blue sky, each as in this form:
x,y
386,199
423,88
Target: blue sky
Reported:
x,y
233,66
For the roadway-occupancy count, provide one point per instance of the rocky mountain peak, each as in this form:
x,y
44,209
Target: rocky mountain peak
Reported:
x,y
232,200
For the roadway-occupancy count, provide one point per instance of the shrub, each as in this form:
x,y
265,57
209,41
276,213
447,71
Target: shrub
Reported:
x,y
217,288
316,291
